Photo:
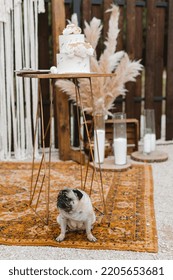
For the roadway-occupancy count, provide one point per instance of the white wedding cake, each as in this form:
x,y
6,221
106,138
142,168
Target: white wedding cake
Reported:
x,y
74,56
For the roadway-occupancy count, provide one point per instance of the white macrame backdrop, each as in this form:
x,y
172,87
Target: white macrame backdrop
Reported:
x,y
18,97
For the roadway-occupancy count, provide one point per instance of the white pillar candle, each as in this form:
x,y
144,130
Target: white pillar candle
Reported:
x,y
120,150
147,143
153,142
99,145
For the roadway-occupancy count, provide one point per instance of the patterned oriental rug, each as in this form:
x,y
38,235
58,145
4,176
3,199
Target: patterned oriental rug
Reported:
x,y
129,222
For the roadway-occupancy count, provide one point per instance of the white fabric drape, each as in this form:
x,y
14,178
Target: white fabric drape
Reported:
x,y
18,97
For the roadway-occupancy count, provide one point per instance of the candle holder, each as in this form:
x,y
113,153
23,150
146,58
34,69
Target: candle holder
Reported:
x,y
149,140
120,138
99,138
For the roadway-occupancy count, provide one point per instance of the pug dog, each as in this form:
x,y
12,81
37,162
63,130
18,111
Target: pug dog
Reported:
x,y
75,213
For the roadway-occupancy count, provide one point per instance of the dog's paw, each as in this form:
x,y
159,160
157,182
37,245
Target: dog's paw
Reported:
x,y
60,238
91,238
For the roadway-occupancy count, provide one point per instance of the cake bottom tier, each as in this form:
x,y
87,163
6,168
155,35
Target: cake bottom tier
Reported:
x,y
76,64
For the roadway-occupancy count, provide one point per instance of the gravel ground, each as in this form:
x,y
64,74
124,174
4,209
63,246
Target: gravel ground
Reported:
x,y
163,195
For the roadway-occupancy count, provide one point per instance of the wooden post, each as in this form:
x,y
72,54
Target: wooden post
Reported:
x,y
62,127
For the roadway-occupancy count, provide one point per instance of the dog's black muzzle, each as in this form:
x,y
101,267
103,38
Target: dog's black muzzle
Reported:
x,y
64,202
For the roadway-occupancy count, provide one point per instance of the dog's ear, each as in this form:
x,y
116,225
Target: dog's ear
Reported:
x,y
78,194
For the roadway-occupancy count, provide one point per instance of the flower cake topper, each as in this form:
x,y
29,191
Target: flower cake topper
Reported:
x,y
71,29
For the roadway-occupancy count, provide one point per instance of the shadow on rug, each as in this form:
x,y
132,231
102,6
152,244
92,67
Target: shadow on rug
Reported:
x,y
128,225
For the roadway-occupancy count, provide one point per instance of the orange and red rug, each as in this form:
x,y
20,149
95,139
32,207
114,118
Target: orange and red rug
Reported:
x,y
129,222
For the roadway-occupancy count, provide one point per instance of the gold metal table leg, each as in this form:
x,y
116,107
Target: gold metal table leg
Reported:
x,y
79,104
42,179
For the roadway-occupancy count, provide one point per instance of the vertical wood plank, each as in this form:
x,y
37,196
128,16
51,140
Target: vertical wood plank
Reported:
x,y
150,55
58,24
43,42
62,129
120,41
169,90
97,11
106,16
130,48
120,46
159,44
138,55
68,12
86,10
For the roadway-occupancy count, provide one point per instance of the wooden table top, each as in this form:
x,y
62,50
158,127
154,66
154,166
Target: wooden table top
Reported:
x,y
45,74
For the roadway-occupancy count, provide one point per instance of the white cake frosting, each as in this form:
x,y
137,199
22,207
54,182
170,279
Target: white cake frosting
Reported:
x,y
74,56
65,40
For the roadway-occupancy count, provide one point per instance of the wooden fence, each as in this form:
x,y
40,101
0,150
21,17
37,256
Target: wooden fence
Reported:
x,y
146,33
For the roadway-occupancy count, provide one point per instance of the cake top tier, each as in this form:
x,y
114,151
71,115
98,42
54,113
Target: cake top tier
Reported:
x,y
71,29
72,43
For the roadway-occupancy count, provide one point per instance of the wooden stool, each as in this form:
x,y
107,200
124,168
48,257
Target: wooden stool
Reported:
x,y
132,134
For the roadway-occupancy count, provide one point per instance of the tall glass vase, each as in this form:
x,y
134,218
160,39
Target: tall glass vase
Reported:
x,y
99,138
149,141
120,139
